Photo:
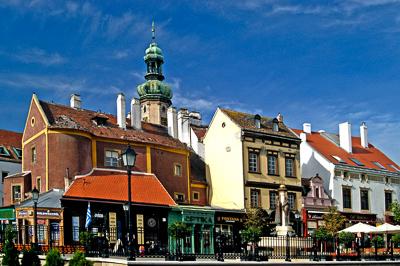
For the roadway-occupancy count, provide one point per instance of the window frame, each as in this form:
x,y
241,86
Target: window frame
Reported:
x,y
290,157
273,154
118,152
343,197
274,193
6,151
258,193
294,205
196,193
13,199
387,206
39,183
177,166
176,196
33,154
364,203
257,160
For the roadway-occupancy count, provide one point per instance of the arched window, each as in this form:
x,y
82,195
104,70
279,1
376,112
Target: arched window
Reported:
x,y
275,125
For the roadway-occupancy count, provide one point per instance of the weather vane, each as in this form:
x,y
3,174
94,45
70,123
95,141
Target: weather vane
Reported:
x,y
153,31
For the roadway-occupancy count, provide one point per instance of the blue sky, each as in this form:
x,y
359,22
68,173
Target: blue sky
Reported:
x,y
323,62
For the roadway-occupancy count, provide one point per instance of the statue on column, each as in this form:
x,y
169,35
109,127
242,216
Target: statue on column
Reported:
x,y
282,212
278,214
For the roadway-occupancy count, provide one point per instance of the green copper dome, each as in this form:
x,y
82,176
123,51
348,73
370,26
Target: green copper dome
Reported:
x,y
154,89
153,53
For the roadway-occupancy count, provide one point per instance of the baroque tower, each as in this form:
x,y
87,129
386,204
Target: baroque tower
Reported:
x,y
155,95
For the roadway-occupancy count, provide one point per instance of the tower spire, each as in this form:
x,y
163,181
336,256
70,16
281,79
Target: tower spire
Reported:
x,y
153,31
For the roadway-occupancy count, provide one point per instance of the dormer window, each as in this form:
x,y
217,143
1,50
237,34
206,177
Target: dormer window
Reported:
x,y
337,158
18,152
100,119
357,162
4,151
379,165
257,121
275,125
394,167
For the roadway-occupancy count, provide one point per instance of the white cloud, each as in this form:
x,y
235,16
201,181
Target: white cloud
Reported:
x,y
38,56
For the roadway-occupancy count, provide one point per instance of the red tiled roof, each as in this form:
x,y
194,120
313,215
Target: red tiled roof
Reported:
x,y
10,140
200,131
65,117
246,121
366,156
146,189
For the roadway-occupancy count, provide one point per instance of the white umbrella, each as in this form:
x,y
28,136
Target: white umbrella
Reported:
x,y
387,228
359,228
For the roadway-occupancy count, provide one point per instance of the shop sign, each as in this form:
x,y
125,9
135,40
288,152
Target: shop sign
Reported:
x,y
228,219
112,221
315,215
198,219
98,215
48,213
140,228
23,213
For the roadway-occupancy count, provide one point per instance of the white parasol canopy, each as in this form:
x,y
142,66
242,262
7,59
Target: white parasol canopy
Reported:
x,y
360,228
387,228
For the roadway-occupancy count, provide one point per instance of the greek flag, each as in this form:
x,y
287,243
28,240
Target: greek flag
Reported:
x,y
88,217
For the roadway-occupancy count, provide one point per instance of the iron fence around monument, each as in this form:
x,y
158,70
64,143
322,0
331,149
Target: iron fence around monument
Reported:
x,y
110,242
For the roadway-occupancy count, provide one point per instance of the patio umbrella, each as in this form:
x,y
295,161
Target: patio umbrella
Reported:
x,y
387,228
359,228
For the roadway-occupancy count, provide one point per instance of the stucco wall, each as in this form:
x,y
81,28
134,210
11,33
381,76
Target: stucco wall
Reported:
x,y
224,160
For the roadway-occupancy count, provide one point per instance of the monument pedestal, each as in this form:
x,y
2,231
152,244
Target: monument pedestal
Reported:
x,y
283,230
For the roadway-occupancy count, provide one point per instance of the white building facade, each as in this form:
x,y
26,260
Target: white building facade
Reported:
x,y
359,177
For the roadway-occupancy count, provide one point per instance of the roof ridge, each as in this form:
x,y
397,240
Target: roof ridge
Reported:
x,y
80,109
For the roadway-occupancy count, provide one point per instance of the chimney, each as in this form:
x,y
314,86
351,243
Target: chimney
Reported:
x,y
183,126
121,120
75,101
345,136
136,115
307,128
303,137
195,118
280,117
257,121
364,135
172,119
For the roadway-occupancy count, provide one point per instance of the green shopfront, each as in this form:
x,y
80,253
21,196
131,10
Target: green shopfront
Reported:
x,y
200,220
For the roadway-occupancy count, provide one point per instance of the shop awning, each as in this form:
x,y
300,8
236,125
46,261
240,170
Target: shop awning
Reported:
x,y
7,214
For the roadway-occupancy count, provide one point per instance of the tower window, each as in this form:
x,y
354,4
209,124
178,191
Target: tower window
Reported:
x,y
178,170
144,109
33,154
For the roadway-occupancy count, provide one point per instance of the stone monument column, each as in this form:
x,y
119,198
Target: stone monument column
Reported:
x,y
284,228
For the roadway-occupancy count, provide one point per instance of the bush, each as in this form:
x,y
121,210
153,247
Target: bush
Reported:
x,y
10,252
86,238
53,258
30,258
346,238
79,259
396,240
379,241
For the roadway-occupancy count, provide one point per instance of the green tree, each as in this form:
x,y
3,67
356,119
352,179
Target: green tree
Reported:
x,y
54,258
257,218
379,241
346,238
322,233
396,240
395,208
251,234
179,230
10,252
79,259
334,221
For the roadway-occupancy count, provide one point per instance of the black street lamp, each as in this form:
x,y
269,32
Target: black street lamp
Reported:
x,y
125,206
129,158
35,198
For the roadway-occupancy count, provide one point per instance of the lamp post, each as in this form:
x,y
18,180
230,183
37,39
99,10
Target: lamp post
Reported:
x,y
129,158
35,199
125,206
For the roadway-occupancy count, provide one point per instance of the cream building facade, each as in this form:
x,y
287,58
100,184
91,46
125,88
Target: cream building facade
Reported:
x,y
248,157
